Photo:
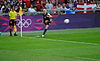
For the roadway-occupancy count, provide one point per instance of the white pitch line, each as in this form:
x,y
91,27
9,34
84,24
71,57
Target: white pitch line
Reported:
x,y
87,58
50,32
72,41
65,41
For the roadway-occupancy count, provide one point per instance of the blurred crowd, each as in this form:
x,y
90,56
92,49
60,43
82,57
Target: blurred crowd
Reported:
x,y
37,5
5,5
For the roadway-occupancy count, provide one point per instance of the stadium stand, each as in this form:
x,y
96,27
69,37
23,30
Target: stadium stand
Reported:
x,y
38,5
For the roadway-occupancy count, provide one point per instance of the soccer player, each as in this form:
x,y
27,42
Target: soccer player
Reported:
x,y
46,21
12,22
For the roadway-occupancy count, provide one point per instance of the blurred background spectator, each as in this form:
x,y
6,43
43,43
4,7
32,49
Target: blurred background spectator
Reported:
x,y
49,5
38,5
31,9
33,2
28,3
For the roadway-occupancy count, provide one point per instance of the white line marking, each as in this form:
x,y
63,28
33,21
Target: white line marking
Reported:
x,y
50,32
87,58
72,41
65,41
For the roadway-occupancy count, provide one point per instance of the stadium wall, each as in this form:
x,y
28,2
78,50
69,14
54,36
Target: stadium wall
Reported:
x,y
34,23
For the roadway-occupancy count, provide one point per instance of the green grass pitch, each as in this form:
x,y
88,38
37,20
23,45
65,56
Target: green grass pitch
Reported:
x,y
58,45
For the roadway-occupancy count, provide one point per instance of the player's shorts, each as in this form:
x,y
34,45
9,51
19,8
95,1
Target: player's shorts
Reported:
x,y
46,22
12,22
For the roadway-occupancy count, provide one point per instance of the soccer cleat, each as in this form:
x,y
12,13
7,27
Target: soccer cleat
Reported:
x,y
42,35
15,34
10,34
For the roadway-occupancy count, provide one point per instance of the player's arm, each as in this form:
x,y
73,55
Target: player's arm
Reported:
x,y
50,16
9,13
16,13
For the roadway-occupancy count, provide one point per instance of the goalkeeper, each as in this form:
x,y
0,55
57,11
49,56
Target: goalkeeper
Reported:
x,y
12,22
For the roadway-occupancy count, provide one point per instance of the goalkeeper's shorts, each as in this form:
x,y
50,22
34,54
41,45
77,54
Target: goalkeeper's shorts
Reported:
x,y
12,22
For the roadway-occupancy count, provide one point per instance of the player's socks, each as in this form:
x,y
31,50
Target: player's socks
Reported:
x,y
44,31
15,34
15,30
10,32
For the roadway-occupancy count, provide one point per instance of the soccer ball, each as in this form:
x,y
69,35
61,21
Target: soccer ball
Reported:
x,y
66,21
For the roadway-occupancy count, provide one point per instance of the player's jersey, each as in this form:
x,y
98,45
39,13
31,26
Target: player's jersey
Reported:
x,y
13,15
45,16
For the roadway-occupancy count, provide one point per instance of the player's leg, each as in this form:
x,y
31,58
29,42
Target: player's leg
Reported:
x,y
45,30
46,27
15,29
10,29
